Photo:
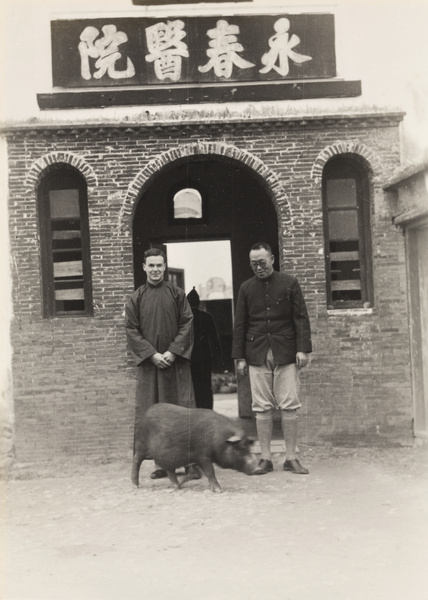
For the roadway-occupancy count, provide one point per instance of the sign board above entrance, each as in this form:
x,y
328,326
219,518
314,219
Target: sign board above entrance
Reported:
x,y
178,51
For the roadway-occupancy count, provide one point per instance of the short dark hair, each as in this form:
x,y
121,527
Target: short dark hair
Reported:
x,y
262,246
154,252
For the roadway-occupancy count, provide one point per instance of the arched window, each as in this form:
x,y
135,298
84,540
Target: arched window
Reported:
x,y
64,237
346,203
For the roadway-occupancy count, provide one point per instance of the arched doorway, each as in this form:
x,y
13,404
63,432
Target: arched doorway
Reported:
x,y
236,206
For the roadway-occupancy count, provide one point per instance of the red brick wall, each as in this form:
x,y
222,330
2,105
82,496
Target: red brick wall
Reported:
x,y
73,381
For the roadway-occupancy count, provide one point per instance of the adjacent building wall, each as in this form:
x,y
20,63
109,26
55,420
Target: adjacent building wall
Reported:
x,y
409,190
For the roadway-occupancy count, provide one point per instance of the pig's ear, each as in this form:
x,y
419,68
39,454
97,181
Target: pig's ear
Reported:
x,y
233,439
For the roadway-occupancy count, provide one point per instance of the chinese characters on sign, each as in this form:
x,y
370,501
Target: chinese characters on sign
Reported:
x,y
106,52
166,48
281,49
224,50
197,50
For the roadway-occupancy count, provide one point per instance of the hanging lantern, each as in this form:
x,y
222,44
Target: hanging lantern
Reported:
x,y
188,204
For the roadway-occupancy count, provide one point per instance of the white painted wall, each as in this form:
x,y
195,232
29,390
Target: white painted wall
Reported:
x,y
383,43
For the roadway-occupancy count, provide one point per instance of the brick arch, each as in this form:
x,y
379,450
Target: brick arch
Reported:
x,y
55,158
213,148
343,148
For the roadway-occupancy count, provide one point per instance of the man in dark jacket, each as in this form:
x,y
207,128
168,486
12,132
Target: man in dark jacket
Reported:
x,y
271,340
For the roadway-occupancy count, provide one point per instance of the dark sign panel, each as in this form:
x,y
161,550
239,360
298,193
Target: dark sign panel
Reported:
x,y
192,50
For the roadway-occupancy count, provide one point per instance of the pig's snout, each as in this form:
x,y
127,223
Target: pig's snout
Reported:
x,y
247,462
250,464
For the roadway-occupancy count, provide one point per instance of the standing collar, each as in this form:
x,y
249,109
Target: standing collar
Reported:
x,y
158,285
266,279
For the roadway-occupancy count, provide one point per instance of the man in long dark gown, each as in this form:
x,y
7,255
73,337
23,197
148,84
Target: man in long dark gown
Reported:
x,y
206,348
159,330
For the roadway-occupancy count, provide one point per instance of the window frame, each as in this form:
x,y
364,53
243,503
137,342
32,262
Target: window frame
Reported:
x,y
57,177
177,277
345,166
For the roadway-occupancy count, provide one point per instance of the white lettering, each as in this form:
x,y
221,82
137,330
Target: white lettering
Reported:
x,y
281,49
106,52
166,48
224,48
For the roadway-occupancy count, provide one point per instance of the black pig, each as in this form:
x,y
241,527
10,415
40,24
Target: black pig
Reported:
x,y
174,437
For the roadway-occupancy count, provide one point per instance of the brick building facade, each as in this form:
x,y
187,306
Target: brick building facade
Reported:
x,y
73,379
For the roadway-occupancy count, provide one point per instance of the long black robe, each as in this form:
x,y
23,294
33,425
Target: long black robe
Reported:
x,y
157,319
206,347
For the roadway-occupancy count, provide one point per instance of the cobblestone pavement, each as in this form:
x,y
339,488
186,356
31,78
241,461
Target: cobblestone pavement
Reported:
x,y
354,529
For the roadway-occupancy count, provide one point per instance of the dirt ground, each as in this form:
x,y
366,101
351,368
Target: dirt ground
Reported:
x,y
355,528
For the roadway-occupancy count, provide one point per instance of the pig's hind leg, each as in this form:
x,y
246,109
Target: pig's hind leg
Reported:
x,y
208,468
173,478
192,472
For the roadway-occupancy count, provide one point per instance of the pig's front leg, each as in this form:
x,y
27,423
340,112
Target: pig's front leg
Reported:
x,y
173,478
208,469
136,464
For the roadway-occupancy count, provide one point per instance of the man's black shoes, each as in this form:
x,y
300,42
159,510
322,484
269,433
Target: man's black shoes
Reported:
x,y
266,466
158,474
191,471
295,467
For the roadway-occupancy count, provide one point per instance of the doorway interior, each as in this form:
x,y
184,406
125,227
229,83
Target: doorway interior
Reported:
x,y
207,267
